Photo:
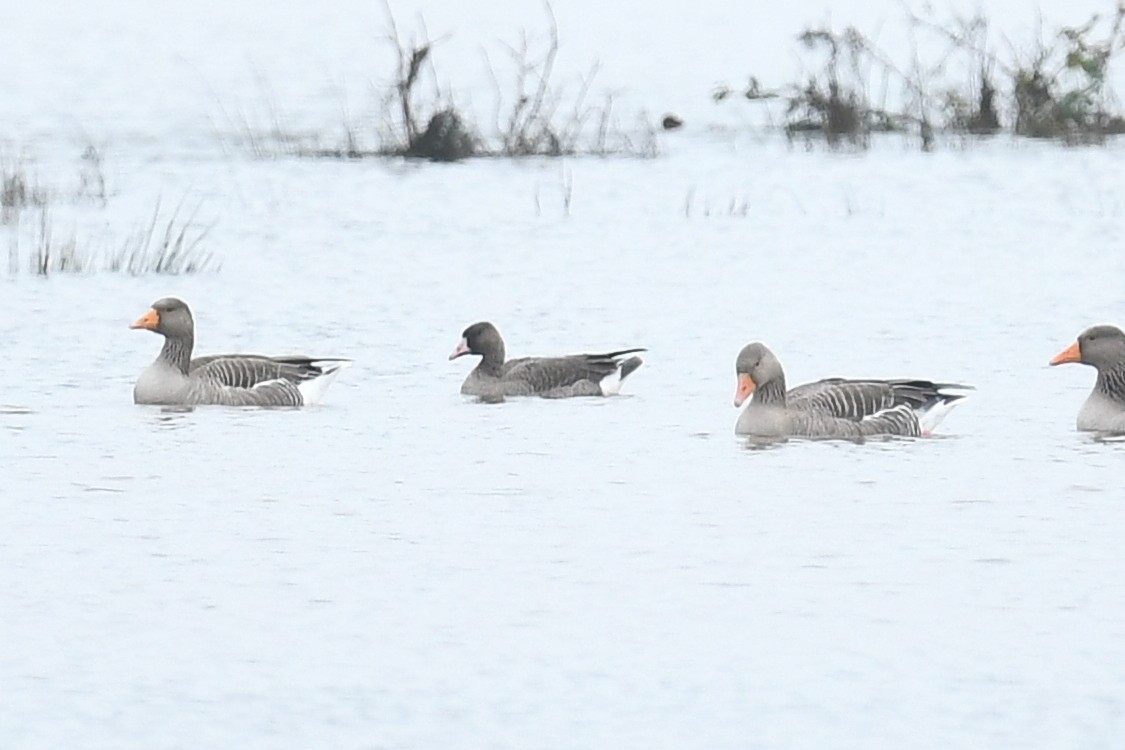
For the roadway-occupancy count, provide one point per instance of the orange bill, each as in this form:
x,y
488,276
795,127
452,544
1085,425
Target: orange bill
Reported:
x,y
150,321
746,386
1070,354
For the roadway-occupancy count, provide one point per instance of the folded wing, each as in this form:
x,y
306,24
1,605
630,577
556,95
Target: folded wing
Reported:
x,y
258,380
861,399
574,375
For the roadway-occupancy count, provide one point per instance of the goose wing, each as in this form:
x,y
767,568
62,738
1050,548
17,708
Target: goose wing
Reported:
x,y
250,370
573,375
860,399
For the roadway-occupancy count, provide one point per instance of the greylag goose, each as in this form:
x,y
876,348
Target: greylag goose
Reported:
x,y
835,407
549,377
1103,348
175,379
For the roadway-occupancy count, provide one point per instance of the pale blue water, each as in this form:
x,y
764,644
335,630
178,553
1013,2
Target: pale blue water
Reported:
x,y
399,567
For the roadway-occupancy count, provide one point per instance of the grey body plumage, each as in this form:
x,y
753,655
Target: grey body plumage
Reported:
x,y
549,377
1103,348
174,378
834,407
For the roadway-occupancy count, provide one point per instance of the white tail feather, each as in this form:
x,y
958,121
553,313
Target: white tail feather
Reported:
x,y
611,384
313,389
930,417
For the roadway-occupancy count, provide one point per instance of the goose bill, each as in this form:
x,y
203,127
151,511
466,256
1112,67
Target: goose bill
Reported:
x,y
746,386
1070,354
460,349
149,321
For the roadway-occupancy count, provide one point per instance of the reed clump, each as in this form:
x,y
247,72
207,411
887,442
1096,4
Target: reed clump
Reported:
x,y
171,246
163,245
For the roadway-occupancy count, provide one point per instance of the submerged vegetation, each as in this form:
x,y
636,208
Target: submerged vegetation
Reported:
x,y
1057,88
28,214
534,115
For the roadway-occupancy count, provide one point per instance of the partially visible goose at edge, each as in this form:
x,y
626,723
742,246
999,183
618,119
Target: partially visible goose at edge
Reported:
x,y
835,407
1103,348
175,379
549,377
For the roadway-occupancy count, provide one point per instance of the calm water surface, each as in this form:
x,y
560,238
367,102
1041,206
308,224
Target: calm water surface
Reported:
x,y
400,567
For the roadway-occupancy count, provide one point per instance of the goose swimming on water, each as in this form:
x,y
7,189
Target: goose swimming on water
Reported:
x,y
1103,348
175,379
835,407
550,377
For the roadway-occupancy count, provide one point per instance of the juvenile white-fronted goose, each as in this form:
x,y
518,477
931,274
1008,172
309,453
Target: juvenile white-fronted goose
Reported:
x,y
1103,348
175,379
836,407
549,377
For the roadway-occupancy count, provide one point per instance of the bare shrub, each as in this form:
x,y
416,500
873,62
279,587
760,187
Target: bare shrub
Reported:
x,y
1062,91
970,106
432,129
1058,86
833,101
534,116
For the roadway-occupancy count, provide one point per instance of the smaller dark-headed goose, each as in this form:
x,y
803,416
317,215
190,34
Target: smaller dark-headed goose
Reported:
x,y
835,408
175,379
550,377
1103,348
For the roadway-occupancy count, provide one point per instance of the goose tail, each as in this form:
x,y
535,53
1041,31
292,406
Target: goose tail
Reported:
x,y
312,389
931,414
611,384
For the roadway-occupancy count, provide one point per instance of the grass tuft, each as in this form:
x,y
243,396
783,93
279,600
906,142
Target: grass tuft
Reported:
x,y
164,247
172,245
